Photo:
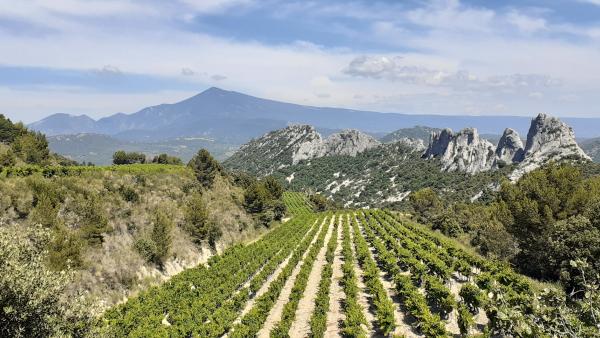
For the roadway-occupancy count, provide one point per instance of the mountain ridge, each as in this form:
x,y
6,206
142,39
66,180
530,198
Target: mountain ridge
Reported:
x,y
236,118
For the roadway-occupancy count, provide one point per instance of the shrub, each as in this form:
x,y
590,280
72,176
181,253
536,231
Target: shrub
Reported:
x,y
161,236
471,297
121,157
197,224
32,295
205,167
166,159
129,194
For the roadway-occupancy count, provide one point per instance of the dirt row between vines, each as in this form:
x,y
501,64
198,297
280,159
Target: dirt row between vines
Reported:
x,y
275,313
336,316
301,326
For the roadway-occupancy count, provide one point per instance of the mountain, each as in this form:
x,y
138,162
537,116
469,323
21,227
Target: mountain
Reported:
x,y
59,124
289,146
592,148
363,172
233,117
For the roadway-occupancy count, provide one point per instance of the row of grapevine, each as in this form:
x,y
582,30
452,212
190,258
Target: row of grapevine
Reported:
x,y
253,321
297,203
222,319
318,320
384,306
282,328
355,317
414,301
192,297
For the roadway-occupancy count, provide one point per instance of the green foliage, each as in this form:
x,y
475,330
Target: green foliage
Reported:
x,y
121,157
94,223
129,194
425,203
166,159
205,167
319,202
30,293
161,236
465,320
471,297
9,131
31,147
64,250
554,219
196,221
264,198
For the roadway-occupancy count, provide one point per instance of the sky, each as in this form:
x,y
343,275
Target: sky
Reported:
x,y
100,57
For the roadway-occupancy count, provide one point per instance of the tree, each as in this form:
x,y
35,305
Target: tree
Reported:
x,y
121,157
166,159
425,203
31,147
197,223
319,202
162,237
273,187
256,198
205,167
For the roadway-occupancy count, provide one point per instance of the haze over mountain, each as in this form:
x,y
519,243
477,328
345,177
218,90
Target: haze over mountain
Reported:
x,y
233,117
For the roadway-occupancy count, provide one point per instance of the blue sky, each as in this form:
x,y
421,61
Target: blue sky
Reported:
x,y
100,57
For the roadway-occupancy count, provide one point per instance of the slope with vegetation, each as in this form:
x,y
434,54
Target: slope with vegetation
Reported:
x,y
443,289
78,239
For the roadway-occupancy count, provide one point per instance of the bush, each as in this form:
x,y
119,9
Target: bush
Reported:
x,y
32,295
205,167
121,157
129,194
161,236
471,297
166,159
32,148
197,224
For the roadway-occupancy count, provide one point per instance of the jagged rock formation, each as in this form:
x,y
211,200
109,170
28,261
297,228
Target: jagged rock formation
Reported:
x,y
463,151
510,148
289,146
548,139
347,142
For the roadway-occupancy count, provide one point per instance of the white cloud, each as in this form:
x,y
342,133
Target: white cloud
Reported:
x,y
526,23
215,6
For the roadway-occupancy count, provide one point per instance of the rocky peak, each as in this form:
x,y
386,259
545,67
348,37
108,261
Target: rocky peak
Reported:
x,y
348,142
463,151
510,147
548,139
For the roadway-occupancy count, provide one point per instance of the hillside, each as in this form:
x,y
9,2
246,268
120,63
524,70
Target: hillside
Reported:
x,y
461,165
592,148
348,273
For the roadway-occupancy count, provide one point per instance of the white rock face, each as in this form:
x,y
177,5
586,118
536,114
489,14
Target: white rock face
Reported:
x,y
288,146
510,148
348,142
548,139
463,151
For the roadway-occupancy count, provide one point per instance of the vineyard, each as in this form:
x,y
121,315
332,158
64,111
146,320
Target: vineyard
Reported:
x,y
360,273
